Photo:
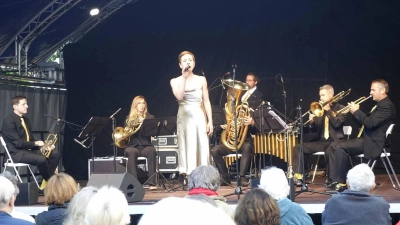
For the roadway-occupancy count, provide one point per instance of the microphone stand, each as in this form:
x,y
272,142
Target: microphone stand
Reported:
x,y
238,189
59,147
113,144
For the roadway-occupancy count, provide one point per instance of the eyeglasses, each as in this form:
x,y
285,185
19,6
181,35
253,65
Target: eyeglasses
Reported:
x,y
249,80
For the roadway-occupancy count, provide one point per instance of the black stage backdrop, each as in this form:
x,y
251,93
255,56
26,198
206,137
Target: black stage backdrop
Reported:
x,y
134,52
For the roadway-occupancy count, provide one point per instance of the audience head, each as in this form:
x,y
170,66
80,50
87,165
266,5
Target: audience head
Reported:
x,y
13,179
7,195
194,212
107,206
202,198
257,207
204,177
60,189
274,182
361,178
77,207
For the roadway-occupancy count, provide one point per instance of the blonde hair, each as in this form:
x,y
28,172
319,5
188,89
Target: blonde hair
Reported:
x,y
185,53
60,189
134,112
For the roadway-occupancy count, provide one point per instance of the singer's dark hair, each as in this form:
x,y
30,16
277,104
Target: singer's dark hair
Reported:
x,y
185,53
254,76
15,100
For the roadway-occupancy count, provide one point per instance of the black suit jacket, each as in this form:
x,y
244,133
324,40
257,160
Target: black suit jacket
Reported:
x,y
137,139
335,123
255,99
14,135
376,123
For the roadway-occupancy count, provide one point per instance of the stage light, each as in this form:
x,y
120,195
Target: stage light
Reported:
x,y
94,11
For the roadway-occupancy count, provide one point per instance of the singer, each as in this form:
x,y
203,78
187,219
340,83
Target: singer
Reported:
x,y
21,144
193,124
140,146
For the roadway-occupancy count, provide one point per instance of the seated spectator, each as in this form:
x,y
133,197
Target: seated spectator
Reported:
x,y
202,198
77,206
15,213
187,211
60,189
206,180
107,206
275,183
257,208
356,205
7,199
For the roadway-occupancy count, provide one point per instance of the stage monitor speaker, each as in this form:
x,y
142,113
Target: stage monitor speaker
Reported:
x,y
125,182
28,194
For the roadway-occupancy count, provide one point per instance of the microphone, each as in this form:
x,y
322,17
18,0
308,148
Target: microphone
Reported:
x,y
227,73
187,68
281,78
81,143
201,71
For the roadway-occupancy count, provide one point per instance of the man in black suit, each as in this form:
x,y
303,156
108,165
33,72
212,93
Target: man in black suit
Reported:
x,y
328,128
140,146
255,96
17,134
371,139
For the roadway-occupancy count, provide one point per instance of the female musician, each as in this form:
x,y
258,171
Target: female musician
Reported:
x,y
193,124
140,146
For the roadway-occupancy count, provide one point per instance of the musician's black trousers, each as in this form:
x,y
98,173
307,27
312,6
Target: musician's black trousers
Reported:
x,y
309,148
149,152
35,157
220,150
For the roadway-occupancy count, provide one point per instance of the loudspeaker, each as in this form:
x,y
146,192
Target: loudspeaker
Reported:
x,y
28,194
125,182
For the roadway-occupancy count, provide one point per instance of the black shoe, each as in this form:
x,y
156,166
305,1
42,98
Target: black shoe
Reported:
x,y
297,182
225,182
328,181
331,185
244,182
340,188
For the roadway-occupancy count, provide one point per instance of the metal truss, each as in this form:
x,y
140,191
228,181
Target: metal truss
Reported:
x,y
34,28
83,29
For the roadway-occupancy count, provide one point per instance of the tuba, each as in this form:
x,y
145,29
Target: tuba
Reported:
x,y
46,148
235,91
121,135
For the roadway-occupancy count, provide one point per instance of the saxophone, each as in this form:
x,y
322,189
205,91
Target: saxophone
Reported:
x,y
121,135
235,91
46,148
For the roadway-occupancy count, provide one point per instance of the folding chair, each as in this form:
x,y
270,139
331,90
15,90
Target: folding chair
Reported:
x,y
346,131
384,155
10,163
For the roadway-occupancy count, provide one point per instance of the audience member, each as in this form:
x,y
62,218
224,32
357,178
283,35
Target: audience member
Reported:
x,y
15,213
206,180
257,208
107,206
275,183
7,198
189,211
60,189
202,198
77,206
356,205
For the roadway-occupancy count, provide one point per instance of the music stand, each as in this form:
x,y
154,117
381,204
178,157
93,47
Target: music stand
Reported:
x,y
92,129
218,118
157,127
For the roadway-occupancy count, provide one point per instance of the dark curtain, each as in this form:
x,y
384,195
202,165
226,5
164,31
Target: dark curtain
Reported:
x,y
41,101
311,43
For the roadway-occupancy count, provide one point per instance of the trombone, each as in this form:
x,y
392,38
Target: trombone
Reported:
x,y
346,109
317,108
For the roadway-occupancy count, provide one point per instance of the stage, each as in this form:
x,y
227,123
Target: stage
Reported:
x,y
313,203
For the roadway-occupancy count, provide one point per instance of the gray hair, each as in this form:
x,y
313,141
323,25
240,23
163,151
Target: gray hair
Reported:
x,y
328,88
77,206
13,179
275,183
107,206
202,198
204,177
7,191
361,178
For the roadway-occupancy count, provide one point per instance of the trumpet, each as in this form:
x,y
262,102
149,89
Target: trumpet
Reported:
x,y
317,108
46,148
347,108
